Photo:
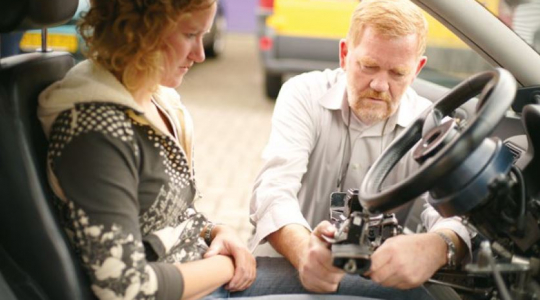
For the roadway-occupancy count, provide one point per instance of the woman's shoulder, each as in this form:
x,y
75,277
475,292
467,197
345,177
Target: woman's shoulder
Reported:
x,y
107,119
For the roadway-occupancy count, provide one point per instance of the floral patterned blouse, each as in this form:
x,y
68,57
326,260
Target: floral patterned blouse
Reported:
x,y
128,201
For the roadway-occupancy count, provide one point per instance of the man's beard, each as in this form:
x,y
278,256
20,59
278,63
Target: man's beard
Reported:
x,y
371,112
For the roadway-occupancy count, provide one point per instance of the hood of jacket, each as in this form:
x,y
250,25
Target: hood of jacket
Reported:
x,y
89,82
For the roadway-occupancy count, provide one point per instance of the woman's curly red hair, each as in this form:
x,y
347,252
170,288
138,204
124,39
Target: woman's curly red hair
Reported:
x,y
126,37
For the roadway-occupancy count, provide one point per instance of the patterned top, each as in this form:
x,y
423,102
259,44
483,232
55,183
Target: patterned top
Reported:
x,y
128,206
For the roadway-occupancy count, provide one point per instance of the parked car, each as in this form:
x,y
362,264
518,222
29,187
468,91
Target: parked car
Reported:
x,y
303,35
66,38
214,41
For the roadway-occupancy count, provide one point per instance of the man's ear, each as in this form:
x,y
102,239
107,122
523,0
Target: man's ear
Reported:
x,y
421,63
343,50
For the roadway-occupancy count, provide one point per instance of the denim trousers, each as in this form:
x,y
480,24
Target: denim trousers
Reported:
x,y
278,279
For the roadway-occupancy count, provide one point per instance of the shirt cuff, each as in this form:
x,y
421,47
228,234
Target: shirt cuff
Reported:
x,y
458,228
170,281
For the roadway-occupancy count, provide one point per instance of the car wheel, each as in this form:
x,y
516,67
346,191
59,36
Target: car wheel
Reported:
x,y
273,84
217,43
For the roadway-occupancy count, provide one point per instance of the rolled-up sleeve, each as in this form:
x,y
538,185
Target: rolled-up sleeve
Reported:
x,y
274,201
433,221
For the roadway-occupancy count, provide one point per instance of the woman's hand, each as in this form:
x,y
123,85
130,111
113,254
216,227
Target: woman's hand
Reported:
x,y
227,242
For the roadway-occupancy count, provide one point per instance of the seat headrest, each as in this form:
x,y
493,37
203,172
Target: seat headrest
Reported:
x,y
35,14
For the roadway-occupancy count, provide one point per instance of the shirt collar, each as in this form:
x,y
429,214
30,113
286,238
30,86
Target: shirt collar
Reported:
x,y
335,96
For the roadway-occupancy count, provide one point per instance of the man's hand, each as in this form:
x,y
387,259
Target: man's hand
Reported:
x,y
226,242
317,273
407,261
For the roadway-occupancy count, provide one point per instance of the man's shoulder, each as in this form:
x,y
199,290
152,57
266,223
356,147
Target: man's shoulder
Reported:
x,y
410,107
415,101
311,86
316,81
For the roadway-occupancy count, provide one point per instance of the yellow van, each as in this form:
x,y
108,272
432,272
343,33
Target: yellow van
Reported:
x,y
303,35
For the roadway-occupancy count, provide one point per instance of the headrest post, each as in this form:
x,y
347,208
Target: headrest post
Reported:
x,y
44,39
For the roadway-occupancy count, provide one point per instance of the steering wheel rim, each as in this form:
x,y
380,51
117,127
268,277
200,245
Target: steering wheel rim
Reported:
x,y
498,84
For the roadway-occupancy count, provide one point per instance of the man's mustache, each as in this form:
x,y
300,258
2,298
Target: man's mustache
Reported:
x,y
376,95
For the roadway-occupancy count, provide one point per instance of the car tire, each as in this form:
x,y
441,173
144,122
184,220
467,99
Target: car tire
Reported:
x,y
217,43
272,83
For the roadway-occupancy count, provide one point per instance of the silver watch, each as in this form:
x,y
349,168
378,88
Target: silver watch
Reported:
x,y
450,250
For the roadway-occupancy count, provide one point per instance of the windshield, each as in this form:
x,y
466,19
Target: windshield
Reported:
x,y
450,60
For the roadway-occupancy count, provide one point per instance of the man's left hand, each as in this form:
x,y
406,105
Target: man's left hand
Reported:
x,y
407,261
227,242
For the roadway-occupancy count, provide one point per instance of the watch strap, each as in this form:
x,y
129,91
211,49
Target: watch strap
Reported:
x,y
450,250
208,232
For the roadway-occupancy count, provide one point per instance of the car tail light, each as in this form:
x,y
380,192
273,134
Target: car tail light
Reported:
x,y
267,4
265,43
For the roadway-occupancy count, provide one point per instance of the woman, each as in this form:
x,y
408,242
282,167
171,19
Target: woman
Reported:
x,y
121,158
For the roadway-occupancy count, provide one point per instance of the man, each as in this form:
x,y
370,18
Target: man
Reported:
x,y
328,128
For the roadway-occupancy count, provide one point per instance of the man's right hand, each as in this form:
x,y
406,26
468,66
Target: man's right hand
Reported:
x,y
317,273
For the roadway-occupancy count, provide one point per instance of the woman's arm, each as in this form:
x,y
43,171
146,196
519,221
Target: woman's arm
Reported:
x,y
204,276
98,174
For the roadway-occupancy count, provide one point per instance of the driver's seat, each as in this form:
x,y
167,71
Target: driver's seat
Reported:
x,y
35,257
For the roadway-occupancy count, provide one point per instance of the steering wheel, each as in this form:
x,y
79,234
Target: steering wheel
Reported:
x,y
443,145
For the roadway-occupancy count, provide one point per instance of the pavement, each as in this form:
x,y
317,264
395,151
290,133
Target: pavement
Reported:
x,y
232,123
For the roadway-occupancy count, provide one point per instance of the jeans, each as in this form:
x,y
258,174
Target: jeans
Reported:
x,y
276,276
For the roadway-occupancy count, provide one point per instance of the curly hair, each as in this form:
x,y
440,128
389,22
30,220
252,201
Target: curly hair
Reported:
x,y
126,37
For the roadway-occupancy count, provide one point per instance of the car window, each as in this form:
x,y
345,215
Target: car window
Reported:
x,y
450,60
523,17
299,36
59,38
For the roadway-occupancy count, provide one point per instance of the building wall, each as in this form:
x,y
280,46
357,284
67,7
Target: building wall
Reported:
x,y
240,15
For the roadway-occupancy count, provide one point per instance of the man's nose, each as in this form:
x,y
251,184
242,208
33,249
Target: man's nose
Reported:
x,y
379,83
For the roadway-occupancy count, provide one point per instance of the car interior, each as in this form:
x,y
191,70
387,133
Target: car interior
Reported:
x,y
36,261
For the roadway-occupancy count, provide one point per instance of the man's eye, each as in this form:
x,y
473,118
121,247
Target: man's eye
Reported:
x,y
369,68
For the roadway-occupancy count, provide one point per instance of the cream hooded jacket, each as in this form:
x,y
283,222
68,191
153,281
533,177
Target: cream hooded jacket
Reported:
x,y
124,189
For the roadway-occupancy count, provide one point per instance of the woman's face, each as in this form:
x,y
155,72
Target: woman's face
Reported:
x,y
184,46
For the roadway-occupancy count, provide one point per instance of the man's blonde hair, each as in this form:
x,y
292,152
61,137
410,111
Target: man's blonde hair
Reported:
x,y
391,18
127,37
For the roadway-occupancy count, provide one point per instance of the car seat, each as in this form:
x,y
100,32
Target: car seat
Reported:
x,y
35,258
